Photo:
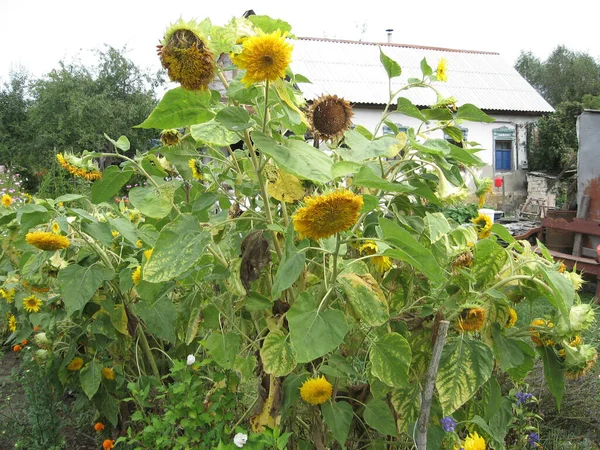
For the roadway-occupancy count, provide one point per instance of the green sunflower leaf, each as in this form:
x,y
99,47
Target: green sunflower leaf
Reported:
x,y
180,108
390,358
338,417
277,354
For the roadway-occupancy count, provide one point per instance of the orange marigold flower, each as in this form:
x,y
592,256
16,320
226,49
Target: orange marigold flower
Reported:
x,y
108,444
17,348
98,426
24,342
37,328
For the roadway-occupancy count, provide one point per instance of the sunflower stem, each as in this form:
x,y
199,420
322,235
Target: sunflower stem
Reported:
x,y
264,124
148,352
334,272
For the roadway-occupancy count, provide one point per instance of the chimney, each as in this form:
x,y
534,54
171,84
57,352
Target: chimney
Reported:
x,y
389,35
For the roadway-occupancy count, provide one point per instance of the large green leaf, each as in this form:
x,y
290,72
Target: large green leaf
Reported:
x,y
78,284
270,25
367,178
390,358
179,245
464,366
561,294
406,107
408,249
553,373
296,157
125,228
214,133
489,259
437,114
111,182
234,118
407,402
338,417
519,373
437,226
377,415
392,68
431,146
361,148
180,108
31,215
153,201
277,354
507,350
159,315
314,333
473,114
366,298
223,347
108,406
290,268
90,377
99,231
179,155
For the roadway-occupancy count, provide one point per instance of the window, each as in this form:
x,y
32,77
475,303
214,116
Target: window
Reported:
x,y
504,138
388,130
465,133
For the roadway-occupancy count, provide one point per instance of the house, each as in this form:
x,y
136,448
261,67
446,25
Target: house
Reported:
x,y
353,70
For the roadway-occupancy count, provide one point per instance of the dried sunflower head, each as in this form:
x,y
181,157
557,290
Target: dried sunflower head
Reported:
x,y
185,54
330,116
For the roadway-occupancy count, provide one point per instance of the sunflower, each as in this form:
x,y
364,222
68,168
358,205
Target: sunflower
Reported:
x,y
329,116
442,68
382,263
32,304
45,240
6,200
575,279
537,336
136,276
471,319
326,215
575,373
465,259
35,287
75,364
108,373
184,53
483,224
7,294
196,167
170,137
316,391
474,442
12,323
98,426
79,167
264,57
512,318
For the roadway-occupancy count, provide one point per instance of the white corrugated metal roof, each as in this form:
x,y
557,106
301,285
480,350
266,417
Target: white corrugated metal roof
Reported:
x,y
352,70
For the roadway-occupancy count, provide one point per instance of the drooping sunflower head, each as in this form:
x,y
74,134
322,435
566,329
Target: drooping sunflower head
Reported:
x,y
32,304
540,330
264,57
381,263
465,259
330,116
471,319
483,224
108,373
82,167
512,318
170,137
12,323
442,69
474,442
6,200
575,279
326,215
196,166
482,188
45,240
75,364
588,356
185,54
316,391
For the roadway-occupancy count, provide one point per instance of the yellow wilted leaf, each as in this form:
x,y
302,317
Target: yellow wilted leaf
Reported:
x,y
401,140
269,415
287,188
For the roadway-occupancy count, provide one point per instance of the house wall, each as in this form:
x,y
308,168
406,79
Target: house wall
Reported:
x,y
515,180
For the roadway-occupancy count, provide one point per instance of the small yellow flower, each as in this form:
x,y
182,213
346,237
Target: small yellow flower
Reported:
x,y
32,304
264,57
12,323
6,200
382,263
115,233
75,364
139,243
537,336
7,294
512,318
483,224
562,267
196,167
441,74
136,276
471,319
326,215
108,373
45,240
316,391
28,197
148,253
474,442
55,228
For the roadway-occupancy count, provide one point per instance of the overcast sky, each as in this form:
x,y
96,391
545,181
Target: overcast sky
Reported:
x,y
37,34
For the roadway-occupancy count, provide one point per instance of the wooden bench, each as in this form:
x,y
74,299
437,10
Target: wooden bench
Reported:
x,y
585,259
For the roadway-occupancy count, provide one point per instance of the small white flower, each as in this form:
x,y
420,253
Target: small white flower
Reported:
x,y
240,439
191,359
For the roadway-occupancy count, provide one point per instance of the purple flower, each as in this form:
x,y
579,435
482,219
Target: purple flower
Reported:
x,y
449,424
522,397
532,439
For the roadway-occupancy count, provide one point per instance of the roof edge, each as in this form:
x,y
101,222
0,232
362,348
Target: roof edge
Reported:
x,y
387,44
498,112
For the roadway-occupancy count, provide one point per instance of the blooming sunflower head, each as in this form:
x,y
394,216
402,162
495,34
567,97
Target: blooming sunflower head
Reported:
x,y
264,57
330,116
170,137
316,390
442,69
12,323
75,364
32,304
382,263
474,442
483,224
108,373
136,276
512,318
326,215
45,240
196,166
6,200
185,54
471,319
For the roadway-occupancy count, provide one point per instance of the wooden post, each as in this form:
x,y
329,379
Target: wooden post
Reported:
x,y
582,213
438,345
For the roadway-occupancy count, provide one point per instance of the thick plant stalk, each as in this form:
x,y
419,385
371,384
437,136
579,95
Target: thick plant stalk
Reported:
x,y
438,345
